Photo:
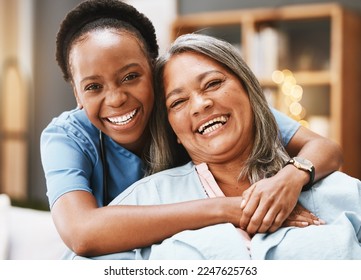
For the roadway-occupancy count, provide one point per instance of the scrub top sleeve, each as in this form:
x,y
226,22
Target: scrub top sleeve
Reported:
x,y
286,125
66,162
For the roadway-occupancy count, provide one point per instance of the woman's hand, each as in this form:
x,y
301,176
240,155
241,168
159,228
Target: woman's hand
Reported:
x,y
301,217
269,202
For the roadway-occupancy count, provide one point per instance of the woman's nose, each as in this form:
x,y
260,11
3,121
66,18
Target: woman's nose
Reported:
x,y
115,97
200,103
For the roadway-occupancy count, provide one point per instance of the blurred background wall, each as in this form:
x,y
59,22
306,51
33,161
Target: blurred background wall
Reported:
x,y
195,6
32,90
27,42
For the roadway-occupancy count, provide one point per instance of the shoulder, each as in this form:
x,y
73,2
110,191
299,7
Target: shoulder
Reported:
x,y
287,126
177,173
69,132
333,195
72,121
338,178
72,124
168,186
337,184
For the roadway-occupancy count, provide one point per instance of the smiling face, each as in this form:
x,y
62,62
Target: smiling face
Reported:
x,y
208,109
112,81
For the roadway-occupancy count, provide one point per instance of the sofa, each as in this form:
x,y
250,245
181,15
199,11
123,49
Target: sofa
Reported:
x,y
27,234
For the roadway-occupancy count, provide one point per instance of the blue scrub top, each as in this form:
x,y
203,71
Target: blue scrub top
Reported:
x,y
70,153
287,126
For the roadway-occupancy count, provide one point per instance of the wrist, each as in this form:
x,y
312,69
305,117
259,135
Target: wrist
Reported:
x,y
299,177
291,177
305,167
229,210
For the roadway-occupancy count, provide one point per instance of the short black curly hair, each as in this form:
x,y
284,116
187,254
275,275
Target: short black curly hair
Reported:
x,y
92,14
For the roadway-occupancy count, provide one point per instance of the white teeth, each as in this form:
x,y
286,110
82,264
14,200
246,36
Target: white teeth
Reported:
x,y
212,125
122,120
212,128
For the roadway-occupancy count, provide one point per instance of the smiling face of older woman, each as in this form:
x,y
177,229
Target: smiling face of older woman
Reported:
x,y
208,109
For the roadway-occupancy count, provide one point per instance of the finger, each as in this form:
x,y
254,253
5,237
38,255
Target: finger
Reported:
x,y
309,217
303,218
307,214
246,195
279,221
262,216
315,219
292,223
301,221
268,220
247,213
243,203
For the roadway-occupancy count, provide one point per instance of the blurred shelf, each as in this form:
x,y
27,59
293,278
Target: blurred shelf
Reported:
x,y
305,78
319,43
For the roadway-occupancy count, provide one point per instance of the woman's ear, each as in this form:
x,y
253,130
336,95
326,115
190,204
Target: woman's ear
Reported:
x,y
78,101
79,105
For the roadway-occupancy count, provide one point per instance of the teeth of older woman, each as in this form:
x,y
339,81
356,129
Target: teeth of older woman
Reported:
x,y
212,128
122,120
212,125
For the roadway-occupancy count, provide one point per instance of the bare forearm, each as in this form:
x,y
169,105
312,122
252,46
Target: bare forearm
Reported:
x,y
91,231
129,227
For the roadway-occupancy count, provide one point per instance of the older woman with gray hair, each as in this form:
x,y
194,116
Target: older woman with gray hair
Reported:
x,y
268,202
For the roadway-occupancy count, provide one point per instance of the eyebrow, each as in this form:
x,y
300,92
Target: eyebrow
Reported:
x,y
200,77
173,92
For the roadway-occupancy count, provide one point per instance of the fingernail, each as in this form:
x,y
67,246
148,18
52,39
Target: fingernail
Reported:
x,y
316,222
322,222
243,203
305,223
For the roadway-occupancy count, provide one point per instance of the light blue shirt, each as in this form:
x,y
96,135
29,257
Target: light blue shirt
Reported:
x,y
336,199
70,153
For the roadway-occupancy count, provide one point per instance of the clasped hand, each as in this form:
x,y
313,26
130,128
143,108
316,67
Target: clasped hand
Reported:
x,y
272,203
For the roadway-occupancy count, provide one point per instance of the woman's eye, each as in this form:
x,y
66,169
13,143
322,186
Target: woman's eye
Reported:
x,y
130,77
176,103
93,87
213,83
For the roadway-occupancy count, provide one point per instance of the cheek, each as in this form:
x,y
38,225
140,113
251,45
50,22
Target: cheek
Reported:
x,y
147,99
174,121
79,97
145,90
150,97
180,124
